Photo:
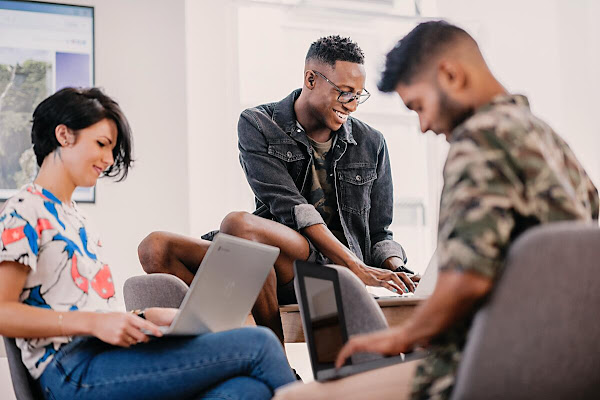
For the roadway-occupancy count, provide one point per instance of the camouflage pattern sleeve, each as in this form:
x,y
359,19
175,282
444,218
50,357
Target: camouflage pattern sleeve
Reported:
x,y
506,172
476,216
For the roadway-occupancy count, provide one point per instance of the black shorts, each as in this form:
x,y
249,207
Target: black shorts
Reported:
x,y
286,293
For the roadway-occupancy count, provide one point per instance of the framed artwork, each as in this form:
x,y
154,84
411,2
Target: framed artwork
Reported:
x,y
44,47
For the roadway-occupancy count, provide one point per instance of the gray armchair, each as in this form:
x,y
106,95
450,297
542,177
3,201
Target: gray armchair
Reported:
x,y
24,386
538,336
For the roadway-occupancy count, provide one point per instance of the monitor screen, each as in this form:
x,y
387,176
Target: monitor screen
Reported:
x,y
324,320
44,47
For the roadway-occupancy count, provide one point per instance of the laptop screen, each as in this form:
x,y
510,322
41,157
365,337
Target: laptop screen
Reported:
x,y
324,319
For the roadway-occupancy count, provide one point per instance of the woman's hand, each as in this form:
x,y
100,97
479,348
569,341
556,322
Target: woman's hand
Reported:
x,y
160,316
122,329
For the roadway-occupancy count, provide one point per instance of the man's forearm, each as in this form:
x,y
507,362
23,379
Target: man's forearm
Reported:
x,y
454,297
328,244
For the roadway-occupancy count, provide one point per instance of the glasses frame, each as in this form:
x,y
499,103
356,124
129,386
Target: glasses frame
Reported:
x,y
360,98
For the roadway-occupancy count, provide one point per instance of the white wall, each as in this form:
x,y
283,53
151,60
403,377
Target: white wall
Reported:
x,y
216,181
548,50
140,60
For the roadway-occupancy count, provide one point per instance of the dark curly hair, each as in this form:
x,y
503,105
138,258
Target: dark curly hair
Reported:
x,y
334,48
79,108
415,50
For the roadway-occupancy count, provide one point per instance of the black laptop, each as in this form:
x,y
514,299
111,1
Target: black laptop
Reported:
x,y
320,302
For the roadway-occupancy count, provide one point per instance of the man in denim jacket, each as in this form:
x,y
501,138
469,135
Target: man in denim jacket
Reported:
x,y
322,182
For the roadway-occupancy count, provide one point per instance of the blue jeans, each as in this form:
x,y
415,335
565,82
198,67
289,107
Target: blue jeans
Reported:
x,y
245,363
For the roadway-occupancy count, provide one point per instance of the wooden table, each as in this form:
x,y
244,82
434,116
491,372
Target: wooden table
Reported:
x,y
396,311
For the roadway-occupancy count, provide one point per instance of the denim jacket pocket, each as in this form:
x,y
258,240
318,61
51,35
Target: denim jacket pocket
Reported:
x,y
286,150
355,188
292,155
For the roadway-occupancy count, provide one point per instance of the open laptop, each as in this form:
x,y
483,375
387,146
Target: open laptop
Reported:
x,y
225,287
324,323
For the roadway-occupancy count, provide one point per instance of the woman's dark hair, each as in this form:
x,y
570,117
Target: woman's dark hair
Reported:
x,y
79,108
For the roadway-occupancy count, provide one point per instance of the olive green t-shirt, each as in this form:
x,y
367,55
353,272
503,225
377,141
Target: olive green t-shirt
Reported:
x,y
322,194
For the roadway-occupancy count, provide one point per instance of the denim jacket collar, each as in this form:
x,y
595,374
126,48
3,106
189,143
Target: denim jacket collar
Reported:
x,y
285,117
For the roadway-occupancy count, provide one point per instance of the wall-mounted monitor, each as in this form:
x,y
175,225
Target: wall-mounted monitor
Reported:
x,y
44,47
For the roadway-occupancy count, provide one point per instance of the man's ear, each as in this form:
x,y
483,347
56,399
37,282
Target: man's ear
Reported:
x,y
64,135
309,79
451,76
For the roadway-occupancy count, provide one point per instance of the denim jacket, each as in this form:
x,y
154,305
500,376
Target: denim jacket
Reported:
x,y
277,159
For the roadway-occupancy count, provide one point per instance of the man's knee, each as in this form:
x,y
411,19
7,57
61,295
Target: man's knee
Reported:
x,y
240,224
153,252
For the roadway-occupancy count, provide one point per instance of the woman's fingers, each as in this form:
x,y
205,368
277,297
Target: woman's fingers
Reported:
x,y
148,326
133,333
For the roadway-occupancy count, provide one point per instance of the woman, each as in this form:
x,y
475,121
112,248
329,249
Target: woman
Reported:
x,y
58,298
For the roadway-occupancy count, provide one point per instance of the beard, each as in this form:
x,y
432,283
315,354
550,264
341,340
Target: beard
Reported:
x,y
452,113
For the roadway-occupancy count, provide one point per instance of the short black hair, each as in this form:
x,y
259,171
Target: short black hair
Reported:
x,y
79,108
412,53
334,48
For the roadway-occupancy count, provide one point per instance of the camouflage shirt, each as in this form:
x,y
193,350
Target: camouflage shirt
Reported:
x,y
322,194
506,171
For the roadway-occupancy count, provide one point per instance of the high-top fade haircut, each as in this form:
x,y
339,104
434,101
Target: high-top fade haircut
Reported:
x,y
415,50
79,108
334,48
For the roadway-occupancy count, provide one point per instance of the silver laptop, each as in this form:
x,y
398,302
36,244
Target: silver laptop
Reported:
x,y
225,287
324,323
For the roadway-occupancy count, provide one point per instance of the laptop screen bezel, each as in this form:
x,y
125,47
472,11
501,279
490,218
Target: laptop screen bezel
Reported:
x,y
304,269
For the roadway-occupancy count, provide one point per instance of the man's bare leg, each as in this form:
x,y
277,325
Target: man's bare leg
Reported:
x,y
292,245
389,383
163,252
170,253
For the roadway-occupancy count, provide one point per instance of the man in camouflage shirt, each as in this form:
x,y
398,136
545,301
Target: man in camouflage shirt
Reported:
x,y
506,172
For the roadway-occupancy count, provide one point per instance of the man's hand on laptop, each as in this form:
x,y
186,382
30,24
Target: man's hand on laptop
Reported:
x,y
390,342
396,264
160,316
331,247
397,282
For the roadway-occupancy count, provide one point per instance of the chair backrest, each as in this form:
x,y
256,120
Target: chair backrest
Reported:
x,y
362,314
154,290
24,386
361,311
538,335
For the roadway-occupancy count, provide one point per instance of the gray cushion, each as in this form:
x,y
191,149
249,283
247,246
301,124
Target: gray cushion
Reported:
x,y
154,290
538,336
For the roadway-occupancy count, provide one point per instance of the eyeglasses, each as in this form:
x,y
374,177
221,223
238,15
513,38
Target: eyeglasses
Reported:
x,y
346,97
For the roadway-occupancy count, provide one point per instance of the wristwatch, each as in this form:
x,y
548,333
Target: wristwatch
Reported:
x,y
402,268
